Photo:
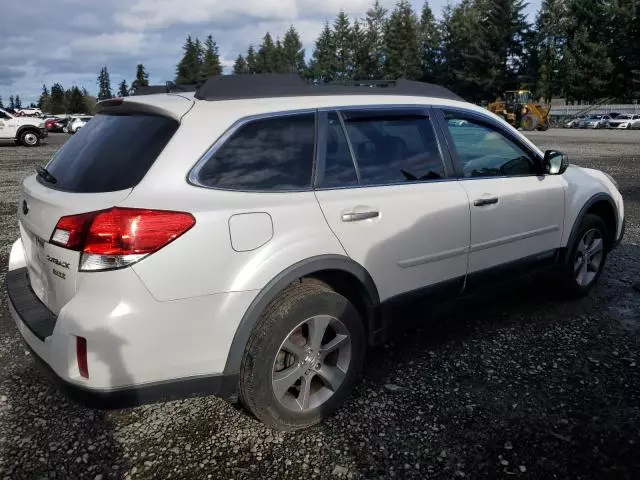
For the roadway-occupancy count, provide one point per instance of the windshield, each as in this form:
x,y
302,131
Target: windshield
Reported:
x,y
110,153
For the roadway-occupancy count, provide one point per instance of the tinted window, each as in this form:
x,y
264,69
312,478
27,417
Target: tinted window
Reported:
x,y
485,152
274,153
110,153
339,168
393,148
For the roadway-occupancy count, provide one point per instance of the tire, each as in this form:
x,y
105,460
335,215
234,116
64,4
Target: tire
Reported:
x,y
572,285
291,318
30,138
529,122
543,127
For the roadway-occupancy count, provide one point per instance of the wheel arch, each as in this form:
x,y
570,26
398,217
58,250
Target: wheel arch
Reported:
x,y
331,269
600,204
25,128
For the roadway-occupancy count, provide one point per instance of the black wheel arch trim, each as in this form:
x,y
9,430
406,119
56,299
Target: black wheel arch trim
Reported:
x,y
33,128
280,282
598,197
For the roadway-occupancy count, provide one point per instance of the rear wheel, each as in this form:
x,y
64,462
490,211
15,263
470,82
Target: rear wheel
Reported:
x,y
303,358
30,138
529,122
586,257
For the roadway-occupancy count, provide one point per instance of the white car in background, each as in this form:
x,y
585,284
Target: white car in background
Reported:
x,y
625,121
27,131
77,123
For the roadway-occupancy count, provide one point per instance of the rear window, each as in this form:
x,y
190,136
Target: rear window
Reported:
x,y
110,153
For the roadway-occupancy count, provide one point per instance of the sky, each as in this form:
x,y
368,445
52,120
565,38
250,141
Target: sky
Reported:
x,y
67,41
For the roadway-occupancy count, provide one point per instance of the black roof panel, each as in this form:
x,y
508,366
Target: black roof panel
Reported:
x,y
271,85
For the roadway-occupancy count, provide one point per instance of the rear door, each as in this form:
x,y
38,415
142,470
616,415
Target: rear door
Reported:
x,y
94,170
388,197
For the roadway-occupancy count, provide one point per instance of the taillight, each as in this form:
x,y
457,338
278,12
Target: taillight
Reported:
x,y
118,237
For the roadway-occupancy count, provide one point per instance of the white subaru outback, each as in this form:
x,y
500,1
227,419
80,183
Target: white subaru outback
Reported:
x,y
241,241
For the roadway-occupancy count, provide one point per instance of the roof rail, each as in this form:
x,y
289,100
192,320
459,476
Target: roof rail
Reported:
x,y
273,85
168,87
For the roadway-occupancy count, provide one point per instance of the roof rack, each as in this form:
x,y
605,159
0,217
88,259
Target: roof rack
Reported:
x,y
168,87
272,85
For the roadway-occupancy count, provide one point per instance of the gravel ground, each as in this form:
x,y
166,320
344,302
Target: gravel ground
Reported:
x,y
515,384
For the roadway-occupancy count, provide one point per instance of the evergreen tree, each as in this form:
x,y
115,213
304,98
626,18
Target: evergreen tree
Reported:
x,y
552,25
280,66
343,46
240,66
376,22
624,23
142,77
43,102
292,52
323,65
57,103
75,99
104,84
17,103
402,48
360,51
123,89
1,104
188,68
211,65
429,38
251,60
12,103
267,57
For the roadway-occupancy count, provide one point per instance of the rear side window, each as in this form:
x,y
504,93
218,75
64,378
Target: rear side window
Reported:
x,y
393,147
269,154
339,170
110,153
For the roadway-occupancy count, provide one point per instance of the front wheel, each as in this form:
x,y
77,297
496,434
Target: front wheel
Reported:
x,y
29,138
303,357
586,257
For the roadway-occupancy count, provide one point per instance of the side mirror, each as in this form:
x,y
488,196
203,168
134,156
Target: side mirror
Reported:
x,y
555,163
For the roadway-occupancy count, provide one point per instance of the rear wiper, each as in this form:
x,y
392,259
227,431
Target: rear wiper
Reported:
x,y
46,176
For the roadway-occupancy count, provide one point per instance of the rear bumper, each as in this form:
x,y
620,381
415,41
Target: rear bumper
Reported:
x,y
139,350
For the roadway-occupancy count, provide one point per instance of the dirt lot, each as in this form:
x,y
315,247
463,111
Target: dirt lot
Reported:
x,y
516,384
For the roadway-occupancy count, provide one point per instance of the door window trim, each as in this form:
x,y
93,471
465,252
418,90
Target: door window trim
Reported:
x,y
439,116
424,110
194,172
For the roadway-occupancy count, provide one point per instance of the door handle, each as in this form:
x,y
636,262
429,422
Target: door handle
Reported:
x,y
481,202
357,216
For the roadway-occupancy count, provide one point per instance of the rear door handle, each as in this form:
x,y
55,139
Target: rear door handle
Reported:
x,y
357,216
481,202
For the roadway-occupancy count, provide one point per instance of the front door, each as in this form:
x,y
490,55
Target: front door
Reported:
x,y
517,213
388,197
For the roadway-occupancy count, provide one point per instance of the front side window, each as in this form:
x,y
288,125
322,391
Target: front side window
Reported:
x,y
269,154
392,147
484,151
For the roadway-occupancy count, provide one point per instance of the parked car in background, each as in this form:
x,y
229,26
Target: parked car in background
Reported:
x,y
574,122
29,112
78,123
625,121
27,131
596,121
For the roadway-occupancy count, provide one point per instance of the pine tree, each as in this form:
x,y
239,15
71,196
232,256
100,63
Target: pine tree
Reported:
x,y
376,23
266,59
552,25
75,101
251,60
57,100
17,103
292,52
43,102
360,51
429,45
343,45
188,68
142,77
240,66
624,23
104,84
402,48
323,65
12,103
279,66
210,60
1,104
123,89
